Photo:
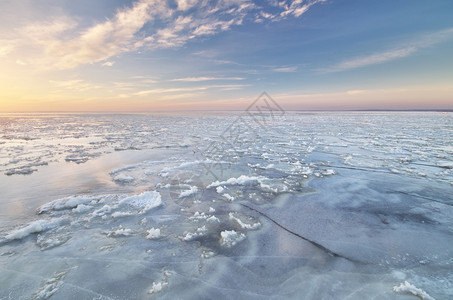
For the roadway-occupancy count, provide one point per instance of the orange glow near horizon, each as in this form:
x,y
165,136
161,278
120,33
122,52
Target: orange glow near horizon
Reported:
x,y
24,99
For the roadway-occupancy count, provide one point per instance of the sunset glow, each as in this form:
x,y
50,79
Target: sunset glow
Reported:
x,y
151,55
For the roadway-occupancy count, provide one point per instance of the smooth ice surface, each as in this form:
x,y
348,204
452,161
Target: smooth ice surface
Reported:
x,y
348,205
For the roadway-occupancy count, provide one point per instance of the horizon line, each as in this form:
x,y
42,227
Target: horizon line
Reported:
x,y
234,110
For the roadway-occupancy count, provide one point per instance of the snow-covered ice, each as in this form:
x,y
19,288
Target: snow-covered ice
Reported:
x,y
332,205
229,238
153,233
408,288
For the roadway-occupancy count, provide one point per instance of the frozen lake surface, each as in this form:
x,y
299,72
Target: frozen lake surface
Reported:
x,y
331,205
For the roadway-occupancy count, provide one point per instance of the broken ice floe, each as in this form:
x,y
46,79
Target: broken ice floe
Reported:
x,y
35,227
153,233
118,232
50,287
229,238
407,288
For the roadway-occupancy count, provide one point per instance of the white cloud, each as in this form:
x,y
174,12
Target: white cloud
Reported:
x,y
62,46
107,39
63,43
296,8
42,32
186,4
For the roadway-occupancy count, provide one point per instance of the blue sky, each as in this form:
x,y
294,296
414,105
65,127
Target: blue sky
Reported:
x,y
186,54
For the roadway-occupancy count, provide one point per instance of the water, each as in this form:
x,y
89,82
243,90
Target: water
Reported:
x,y
219,204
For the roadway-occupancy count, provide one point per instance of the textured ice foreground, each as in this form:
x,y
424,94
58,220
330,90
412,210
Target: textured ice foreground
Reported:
x,y
312,206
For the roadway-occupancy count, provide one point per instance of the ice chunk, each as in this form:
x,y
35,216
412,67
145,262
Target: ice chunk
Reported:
x,y
328,172
103,210
228,196
157,287
189,236
243,225
144,201
81,208
229,238
50,242
213,219
20,171
65,203
198,216
207,254
35,227
153,233
122,214
241,180
192,190
246,180
408,288
119,232
51,287
123,178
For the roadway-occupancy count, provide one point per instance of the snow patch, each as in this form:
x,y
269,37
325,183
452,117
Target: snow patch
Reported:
x,y
243,225
408,288
65,203
153,233
241,180
119,232
229,238
122,178
190,236
51,287
81,208
229,197
213,219
160,285
144,201
35,227
192,190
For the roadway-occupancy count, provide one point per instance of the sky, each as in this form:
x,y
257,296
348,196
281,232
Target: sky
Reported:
x,y
158,55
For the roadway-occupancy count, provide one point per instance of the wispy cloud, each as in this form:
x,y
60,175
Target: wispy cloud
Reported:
x,y
20,62
197,79
108,64
295,8
63,43
74,85
189,90
5,49
285,69
372,59
389,55
170,90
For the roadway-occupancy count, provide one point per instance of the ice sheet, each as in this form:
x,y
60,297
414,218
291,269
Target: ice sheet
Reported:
x,y
314,206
